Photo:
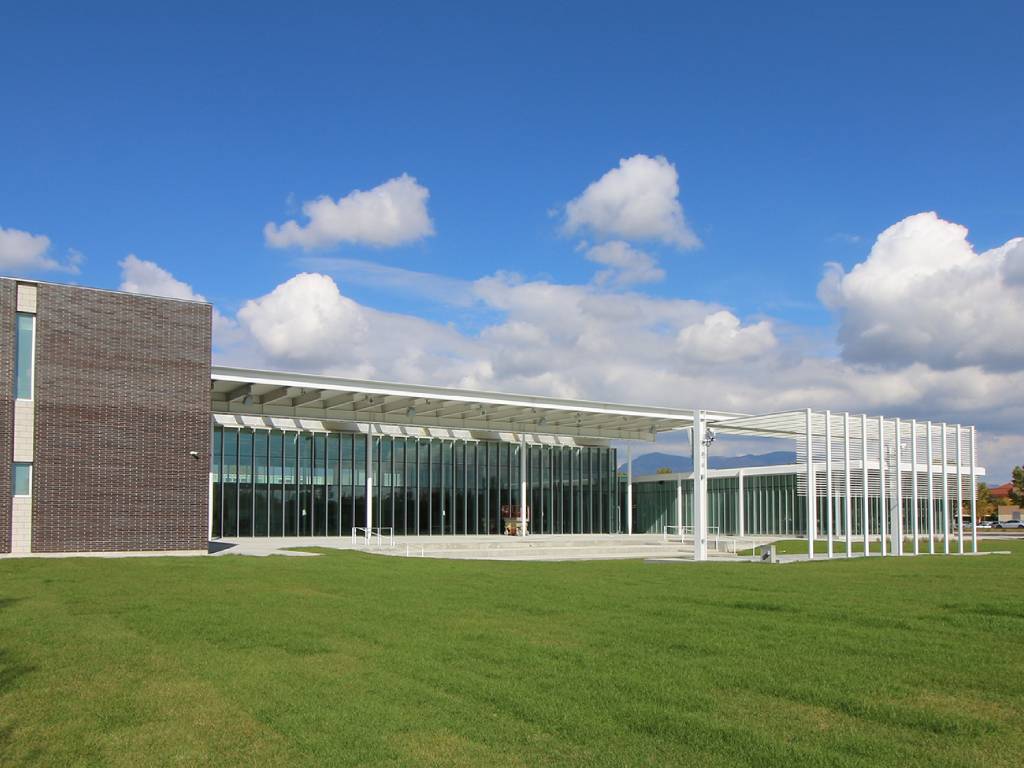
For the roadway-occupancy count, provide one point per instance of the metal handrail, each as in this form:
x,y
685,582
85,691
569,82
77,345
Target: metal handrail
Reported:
x,y
380,532
369,534
687,530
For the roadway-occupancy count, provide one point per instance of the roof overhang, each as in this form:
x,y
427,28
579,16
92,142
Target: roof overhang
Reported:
x,y
298,395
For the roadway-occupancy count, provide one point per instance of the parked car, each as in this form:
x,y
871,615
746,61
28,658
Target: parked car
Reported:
x,y
1010,524
986,524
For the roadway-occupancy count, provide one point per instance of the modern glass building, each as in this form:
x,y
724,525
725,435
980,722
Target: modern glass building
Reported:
x,y
274,482
119,435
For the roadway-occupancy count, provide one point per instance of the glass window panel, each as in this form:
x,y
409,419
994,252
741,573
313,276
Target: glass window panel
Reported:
x,y
384,512
22,480
493,490
261,499
217,479
245,458
291,519
24,354
423,487
412,493
229,502
574,498
333,478
276,477
305,480
318,507
347,497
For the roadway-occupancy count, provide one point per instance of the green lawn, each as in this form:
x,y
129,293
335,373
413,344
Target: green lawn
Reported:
x,y
350,659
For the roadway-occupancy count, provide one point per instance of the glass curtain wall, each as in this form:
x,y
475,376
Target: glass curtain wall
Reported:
x,y
771,503
287,483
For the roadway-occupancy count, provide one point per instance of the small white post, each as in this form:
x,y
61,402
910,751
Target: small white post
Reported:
x,y
522,484
847,480
897,515
959,491
629,489
739,504
945,488
828,483
931,490
369,481
812,489
700,489
865,518
974,495
914,497
883,506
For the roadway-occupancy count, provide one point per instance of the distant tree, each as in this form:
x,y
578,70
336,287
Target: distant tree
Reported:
x,y
664,471
1017,490
986,504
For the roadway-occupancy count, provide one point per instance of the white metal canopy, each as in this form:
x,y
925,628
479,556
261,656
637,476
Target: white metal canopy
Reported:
x,y
270,393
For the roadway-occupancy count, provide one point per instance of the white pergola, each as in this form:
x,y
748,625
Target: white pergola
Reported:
x,y
850,460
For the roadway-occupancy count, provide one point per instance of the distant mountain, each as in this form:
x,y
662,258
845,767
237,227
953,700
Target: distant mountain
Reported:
x,y
650,463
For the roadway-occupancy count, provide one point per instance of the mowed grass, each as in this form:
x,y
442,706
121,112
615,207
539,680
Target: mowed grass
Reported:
x,y
351,659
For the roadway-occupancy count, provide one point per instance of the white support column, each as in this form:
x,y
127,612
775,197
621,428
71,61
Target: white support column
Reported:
x,y
700,488
369,480
522,484
896,521
828,484
931,490
847,517
883,506
865,518
959,491
945,488
812,489
209,504
974,494
915,499
629,489
740,527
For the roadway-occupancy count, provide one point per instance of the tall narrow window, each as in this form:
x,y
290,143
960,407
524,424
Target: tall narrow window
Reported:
x,y
24,353
22,480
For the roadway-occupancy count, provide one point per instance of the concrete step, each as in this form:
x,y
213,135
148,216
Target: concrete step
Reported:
x,y
530,542
538,553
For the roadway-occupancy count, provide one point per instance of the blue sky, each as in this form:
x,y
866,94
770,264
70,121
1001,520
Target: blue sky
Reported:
x,y
798,133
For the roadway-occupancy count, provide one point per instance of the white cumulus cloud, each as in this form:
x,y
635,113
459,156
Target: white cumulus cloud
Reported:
x,y
639,200
23,251
721,338
626,265
924,295
305,318
149,278
392,213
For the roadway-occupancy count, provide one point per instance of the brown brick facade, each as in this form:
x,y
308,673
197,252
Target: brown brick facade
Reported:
x,y
122,395
8,304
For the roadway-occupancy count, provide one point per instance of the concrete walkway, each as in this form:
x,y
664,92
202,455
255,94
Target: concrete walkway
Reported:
x,y
507,548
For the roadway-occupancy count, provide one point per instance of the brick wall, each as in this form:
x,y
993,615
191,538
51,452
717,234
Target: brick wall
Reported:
x,y
122,395
8,303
